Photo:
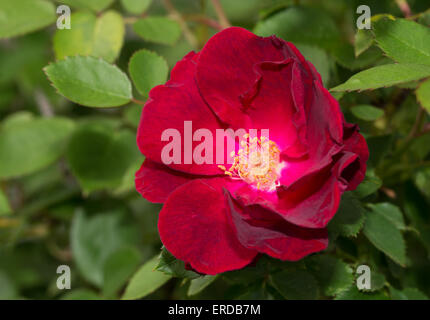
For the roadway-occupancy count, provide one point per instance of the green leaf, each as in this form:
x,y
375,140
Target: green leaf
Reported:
x,y
333,275
343,53
377,281
425,18
4,205
23,16
363,41
314,27
108,36
423,95
147,70
79,39
416,205
407,294
128,183
145,281
390,212
22,63
101,36
318,58
168,264
422,179
250,274
81,294
118,268
379,146
199,284
17,118
8,290
338,95
100,158
295,285
349,218
30,145
354,294
384,76
301,25
132,115
95,238
367,112
370,185
95,5
136,6
257,291
158,29
385,236
90,82
403,40
102,123
409,85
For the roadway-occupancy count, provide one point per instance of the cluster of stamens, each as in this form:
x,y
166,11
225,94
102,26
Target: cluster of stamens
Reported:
x,y
257,162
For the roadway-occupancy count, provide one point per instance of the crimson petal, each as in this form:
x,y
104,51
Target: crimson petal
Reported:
x,y
194,226
156,181
275,237
225,71
324,131
168,107
355,143
310,202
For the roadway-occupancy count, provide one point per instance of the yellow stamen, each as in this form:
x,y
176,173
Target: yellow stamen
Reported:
x,y
257,163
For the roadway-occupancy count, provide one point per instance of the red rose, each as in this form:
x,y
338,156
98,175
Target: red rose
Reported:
x,y
218,221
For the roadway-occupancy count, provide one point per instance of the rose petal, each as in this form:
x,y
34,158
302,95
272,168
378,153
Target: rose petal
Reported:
x,y
355,143
324,131
194,226
225,71
273,107
156,181
274,236
310,202
168,107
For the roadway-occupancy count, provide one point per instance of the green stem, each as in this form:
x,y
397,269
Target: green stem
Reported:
x,y
189,36
205,20
138,101
4,189
404,7
222,17
415,131
417,125
396,170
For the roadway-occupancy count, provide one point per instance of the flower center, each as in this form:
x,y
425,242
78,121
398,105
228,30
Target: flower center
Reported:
x,y
257,162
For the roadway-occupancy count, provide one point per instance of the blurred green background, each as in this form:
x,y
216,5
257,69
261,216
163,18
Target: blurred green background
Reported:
x,y
66,171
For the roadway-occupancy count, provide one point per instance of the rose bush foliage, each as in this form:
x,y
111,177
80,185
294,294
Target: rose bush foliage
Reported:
x,y
72,102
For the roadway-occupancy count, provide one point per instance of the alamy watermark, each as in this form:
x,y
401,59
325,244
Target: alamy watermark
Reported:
x,y
64,280
250,154
364,20
364,280
220,149
64,21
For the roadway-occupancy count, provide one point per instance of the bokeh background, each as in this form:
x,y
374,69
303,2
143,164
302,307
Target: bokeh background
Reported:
x,y
67,172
